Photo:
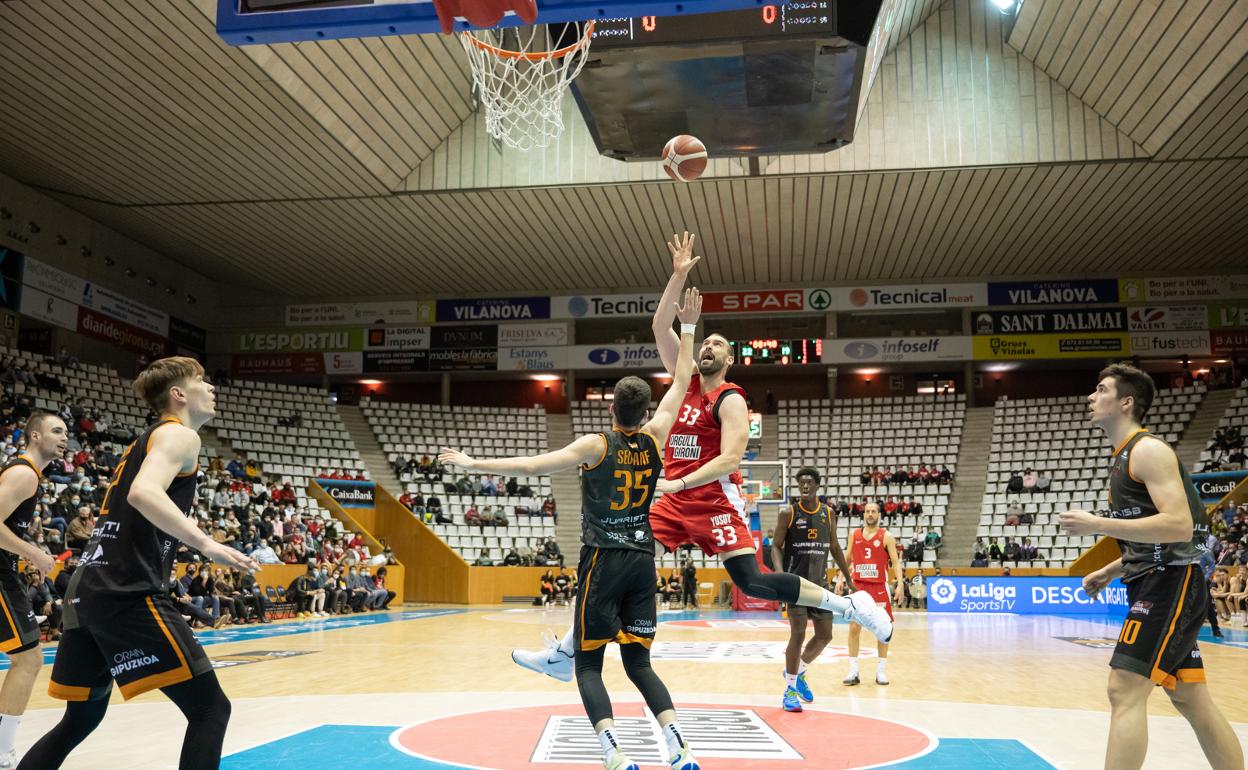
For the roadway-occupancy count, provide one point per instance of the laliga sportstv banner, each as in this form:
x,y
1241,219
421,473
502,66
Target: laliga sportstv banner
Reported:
x,y
1023,596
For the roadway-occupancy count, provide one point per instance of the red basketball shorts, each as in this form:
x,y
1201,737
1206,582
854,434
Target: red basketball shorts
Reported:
x,y
711,516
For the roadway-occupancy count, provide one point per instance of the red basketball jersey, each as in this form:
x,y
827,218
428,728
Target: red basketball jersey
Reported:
x,y
870,557
695,437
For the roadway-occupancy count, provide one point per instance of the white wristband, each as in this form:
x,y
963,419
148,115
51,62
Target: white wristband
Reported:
x,y
688,328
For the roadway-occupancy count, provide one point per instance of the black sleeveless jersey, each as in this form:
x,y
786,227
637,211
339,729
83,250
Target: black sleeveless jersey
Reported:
x,y
617,491
127,556
807,541
1129,499
22,515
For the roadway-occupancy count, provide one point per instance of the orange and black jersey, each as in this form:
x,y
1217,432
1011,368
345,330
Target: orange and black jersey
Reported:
x,y
19,520
127,556
616,492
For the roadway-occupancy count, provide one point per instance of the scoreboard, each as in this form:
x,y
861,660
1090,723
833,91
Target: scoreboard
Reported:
x,y
778,352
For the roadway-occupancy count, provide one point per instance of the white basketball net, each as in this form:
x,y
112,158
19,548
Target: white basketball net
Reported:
x,y
520,76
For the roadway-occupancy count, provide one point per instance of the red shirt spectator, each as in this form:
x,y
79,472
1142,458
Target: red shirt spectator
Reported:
x,y
903,508
359,476
406,500
284,495
924,474
86,425
890,506
81,458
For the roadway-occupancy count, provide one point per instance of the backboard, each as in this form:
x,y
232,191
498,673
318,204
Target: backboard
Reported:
x,y
251,22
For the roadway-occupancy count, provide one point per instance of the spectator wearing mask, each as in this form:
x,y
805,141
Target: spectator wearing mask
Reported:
x,y
553,554
196,612
547,585
994,550
483,559
1013,552
380,581
79,530
512,559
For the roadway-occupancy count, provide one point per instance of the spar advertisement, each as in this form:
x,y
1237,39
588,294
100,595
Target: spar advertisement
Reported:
x,y
1023,596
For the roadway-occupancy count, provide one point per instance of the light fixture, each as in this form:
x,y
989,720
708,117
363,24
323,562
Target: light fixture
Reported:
x,y
868,372
1006,6
547,377
370,382
1222,361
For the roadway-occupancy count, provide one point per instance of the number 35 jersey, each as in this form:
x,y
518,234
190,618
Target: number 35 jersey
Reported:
x,y
616,493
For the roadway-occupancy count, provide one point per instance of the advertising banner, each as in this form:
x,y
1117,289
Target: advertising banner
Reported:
x,y
12,264
909,297
1004,348
1228,315
362,313
1212,487
1023,596
52,280
1225,342
1183,288
493,309
343,363
277,363
187,335
518,335
397,338
451,337
633,356
120,334
1167,344
1078,292
882,349
1173,318
395,361
287,341
463,359
1109,319
532,359
349,494
124,309
49,309
604,306
778,301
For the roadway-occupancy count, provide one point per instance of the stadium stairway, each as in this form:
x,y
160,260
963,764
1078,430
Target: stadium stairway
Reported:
x,y
566,487
770,450
962,520
374,458
1200,430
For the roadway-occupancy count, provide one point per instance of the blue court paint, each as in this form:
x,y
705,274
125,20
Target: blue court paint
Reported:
x,y
322,748
210,637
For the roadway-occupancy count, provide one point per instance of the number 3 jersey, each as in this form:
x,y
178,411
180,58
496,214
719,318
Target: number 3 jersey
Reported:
x,y
617,491
869,556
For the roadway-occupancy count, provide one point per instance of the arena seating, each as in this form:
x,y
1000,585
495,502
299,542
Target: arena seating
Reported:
x,y
1053,436
840,438
1235,416
416,430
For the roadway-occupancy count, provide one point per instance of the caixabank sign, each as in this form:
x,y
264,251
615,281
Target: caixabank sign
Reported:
x,y
349,494
1023,596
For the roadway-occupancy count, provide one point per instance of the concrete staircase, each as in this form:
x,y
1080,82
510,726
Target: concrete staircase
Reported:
x,y
1199,431
566,487
962,518
375,461
770,449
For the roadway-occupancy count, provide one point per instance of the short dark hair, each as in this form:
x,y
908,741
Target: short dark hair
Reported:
x,y
1130,381
814,474
37,420
632,399
153,384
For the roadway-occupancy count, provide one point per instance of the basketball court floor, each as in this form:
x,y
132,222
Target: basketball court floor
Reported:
x,y
433,688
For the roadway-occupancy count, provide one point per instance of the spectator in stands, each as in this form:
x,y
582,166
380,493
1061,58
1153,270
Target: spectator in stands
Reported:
x,y
79,530
932,540
923,475
500,516
667,588
547,586
1005,571
407,502
980,559
487,516
864,478
202,589
463,485
236,468
564,586
1014,514
512,487
483,559
1028,552
553,554
1029,479
994,550
890,507
434,505
488,486
43,601
689,585
180,594
916,507
253,596
299,593
877,476
251,470
512,559
549,509
380,581
473,516
946,475
1013,551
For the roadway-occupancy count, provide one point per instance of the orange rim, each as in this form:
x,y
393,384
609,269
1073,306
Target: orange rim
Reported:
x,y
503,53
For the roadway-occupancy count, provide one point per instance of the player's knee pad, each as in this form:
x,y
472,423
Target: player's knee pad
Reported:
x,y
749,578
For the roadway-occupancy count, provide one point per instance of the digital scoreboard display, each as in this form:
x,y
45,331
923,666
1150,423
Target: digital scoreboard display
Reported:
x,y
801,19
779,352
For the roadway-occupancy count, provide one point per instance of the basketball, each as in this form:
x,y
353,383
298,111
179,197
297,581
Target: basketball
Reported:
x,y
684,158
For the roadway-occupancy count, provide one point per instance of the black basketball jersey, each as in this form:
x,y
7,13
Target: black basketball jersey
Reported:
x,y
1129,499
616,492
22,515
127,556
807,541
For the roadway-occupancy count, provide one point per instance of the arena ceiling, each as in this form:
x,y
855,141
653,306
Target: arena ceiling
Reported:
x,y
1090,137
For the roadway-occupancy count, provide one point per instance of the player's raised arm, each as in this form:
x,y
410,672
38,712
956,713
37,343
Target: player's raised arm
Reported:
x,y
173,450
586,450
682,262
665,416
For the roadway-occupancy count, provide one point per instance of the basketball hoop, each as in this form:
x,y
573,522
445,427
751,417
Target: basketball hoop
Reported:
x,y
520,74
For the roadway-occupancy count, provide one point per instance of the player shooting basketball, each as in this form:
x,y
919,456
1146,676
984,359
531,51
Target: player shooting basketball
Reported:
x,y
702,502
615,598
